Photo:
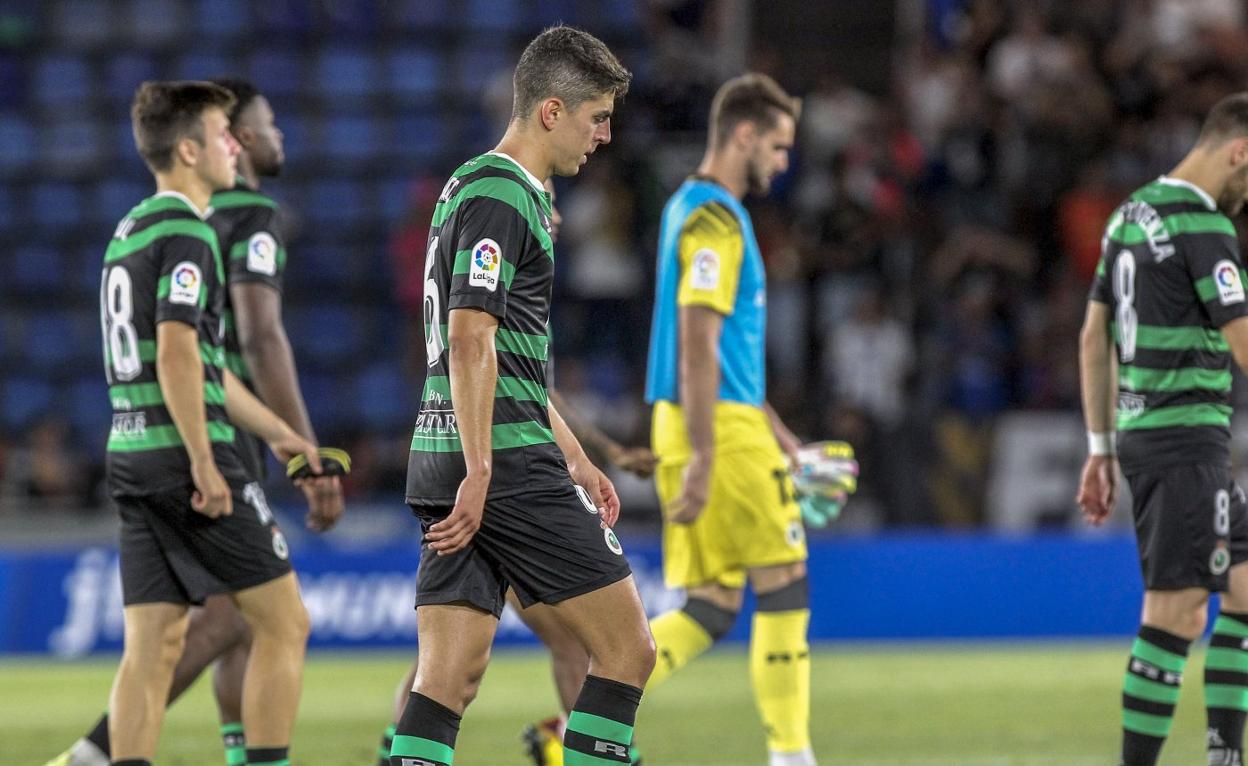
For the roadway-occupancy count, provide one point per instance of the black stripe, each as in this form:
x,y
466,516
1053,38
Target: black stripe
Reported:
x,y
723,215
1155,399
1146,706
1169,360
1223,641
1227,677
583,743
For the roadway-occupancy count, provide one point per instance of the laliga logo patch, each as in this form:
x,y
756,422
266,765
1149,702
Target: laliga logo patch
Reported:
x,y
1226,277
184,284
705,274
483,271
613,542
262,253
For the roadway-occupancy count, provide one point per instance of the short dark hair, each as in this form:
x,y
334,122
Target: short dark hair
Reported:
x,y
751,97
1227,119
568,64
164,113
244,92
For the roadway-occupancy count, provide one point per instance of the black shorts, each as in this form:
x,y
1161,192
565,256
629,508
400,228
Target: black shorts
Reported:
x,y
548,544
1191,526
171,554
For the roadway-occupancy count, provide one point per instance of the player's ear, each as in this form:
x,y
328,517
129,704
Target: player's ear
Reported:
x,y
549,112
1239,151
186,151
745,134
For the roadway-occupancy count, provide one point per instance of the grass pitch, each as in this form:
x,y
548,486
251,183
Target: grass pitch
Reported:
x,y
897,705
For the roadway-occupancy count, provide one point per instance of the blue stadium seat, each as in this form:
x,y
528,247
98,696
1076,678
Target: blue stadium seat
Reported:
x,y
284,18
478,61
544,12
277,72
71,146
12,81
62,80
17,143
323,394
353,137
414,73
56,205
156,23
317,263
332,204
203,65
393,198
327,334
222,19
346,73
40,269
384,397
24,399
492,15
9,208
354,17
88,407
296,135
424,135
51,341
115,196
126,72
420,15
88,266
83,23
10,343
124,155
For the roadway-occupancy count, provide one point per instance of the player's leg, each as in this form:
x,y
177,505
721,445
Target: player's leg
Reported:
x,y
454,649
683,634
610,623
780,661
1226,661
227,688
153,641
279,627
569,662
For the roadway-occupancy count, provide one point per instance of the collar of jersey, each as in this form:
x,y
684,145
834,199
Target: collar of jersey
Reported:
x,y
1204,195
532,178
179,195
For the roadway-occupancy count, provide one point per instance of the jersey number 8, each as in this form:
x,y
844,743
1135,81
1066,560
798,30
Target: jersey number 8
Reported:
x,y
121,342
1124,291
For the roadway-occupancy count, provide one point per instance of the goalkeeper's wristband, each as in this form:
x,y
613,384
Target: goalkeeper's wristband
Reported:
x,y
1101,443
334,462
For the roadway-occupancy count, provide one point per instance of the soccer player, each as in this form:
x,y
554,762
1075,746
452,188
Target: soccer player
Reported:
x,y
723,480
258,352
1165,316
568,660
194,523
504,492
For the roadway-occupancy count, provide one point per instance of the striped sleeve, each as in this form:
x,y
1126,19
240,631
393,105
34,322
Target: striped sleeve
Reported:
x,y
1217,274
711,252
490,231
187,274
256,252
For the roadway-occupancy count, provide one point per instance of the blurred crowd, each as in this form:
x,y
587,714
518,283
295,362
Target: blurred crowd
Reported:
x,y
928,255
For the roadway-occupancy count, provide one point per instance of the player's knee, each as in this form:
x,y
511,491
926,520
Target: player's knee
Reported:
x,y
713,618
172,642
647,656
786,598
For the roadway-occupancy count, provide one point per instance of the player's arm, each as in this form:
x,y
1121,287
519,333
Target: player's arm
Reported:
x,y
636,460
787,439
473,370
181,376
248,412
582,469
266,352
1098,487
700,328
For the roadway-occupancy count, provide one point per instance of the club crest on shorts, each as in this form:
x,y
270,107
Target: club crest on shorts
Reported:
x,y
1220,559
613,542
793,534
280,548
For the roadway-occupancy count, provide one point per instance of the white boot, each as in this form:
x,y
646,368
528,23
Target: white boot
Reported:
x,y
800,758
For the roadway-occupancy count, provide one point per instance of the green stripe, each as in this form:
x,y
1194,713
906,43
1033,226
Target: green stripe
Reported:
x,y
1159,193
1152,691
1221,658
600,728
211,355
120,248
486,161
510,191
1182,379
463,264
1220,695
1179,415
234,363
232,728
1208,291
160,437
526,433
240,198
419,747
282,762
1177,338
577,758
523,344
1229,626
158,205
1130,233
517,388
129,396
238,251
1100,268
1144,723
1157,656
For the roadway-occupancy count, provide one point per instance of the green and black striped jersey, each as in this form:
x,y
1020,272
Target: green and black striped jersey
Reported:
x,y
162,265
489,249
1171,275
252,247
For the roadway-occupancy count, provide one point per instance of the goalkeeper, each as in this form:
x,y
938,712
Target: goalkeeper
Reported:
x,y
730,510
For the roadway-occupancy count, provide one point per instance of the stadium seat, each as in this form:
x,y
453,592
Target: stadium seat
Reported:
x,y
480,60
25,399
492,15
83,23
17,144
383,395
9,207
71,147
414,73
353,137
423,135
126,71
12,81
337,204
155,23
40,269
323,394
344,73
62,81
277,72
288,19
419,15
203,65
88,265
88,406
353,17
327,334
55,205
222,19
114,197
50,342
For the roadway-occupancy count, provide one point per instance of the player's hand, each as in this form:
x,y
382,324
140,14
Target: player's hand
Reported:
x,y
290,444
1098,488
212,494
601,490
818,511
325,504
452,534
638,461
694,491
